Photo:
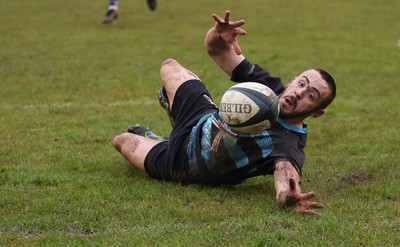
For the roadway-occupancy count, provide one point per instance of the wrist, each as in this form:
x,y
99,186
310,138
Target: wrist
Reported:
x,y
281,198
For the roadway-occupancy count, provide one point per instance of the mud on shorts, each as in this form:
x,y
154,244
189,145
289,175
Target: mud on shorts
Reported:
x,y
168,160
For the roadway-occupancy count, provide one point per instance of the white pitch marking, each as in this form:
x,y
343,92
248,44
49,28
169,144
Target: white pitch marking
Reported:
x,y
78,105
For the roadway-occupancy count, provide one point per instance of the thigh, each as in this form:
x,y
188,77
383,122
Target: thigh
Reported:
x,y
168,160
156,163
192,101
173,76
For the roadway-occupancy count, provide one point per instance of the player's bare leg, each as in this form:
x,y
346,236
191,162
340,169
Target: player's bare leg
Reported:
x,y
134,148
173,75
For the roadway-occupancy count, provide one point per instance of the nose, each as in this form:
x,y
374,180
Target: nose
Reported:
x,y
299,93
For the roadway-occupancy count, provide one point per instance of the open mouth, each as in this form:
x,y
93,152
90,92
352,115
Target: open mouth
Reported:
x,y
291,102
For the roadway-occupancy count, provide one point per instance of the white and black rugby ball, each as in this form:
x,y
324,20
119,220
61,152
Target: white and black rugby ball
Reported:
x,y
249,107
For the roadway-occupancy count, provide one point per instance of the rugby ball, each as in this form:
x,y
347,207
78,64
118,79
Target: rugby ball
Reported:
x,y
249,107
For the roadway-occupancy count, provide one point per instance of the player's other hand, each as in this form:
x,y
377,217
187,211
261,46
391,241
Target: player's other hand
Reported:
x,y
299,202
229,30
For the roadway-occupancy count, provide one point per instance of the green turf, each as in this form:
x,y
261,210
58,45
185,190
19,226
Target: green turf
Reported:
x,y
69,84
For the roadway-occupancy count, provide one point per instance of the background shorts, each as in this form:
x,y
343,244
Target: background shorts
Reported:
x,y
168,160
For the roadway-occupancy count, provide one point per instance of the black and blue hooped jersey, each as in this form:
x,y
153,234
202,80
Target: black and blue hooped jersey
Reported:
x,y
216,154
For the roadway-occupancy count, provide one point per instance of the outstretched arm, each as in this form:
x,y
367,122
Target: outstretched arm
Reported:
x,y
288,191
221,42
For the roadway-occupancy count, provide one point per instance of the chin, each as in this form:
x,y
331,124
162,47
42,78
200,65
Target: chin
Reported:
x,y
283,114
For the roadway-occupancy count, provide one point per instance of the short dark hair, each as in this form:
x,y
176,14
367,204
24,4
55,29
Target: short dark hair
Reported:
x,y
332,88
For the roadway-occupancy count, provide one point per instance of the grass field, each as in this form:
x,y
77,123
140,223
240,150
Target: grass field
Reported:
x,y
69,84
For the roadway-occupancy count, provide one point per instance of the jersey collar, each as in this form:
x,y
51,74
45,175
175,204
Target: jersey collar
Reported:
x,y
290,127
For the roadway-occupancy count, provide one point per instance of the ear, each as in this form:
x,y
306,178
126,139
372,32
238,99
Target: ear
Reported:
x,y
317,113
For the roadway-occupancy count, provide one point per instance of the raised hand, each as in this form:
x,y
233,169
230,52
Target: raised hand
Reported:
x,y
229,30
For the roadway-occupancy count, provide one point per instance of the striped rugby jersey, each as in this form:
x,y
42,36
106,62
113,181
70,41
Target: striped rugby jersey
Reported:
x,y
217,155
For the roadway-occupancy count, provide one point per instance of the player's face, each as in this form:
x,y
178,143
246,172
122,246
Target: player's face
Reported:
x,y
303,95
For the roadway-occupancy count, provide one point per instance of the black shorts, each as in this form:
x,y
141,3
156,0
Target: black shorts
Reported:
x,y
168,160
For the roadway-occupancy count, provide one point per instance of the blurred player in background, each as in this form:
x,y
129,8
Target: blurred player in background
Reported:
x,y
112,12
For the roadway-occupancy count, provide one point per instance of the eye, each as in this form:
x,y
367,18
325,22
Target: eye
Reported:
x,y
301,83
311,96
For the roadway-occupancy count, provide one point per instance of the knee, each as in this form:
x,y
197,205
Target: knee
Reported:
x,y
120,140
169,68
169,61
174,74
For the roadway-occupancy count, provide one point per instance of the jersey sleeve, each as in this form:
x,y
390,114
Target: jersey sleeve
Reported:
x,y
249,72
288,145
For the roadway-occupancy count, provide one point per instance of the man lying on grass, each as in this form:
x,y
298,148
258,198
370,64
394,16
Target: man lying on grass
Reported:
x,y
203,149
